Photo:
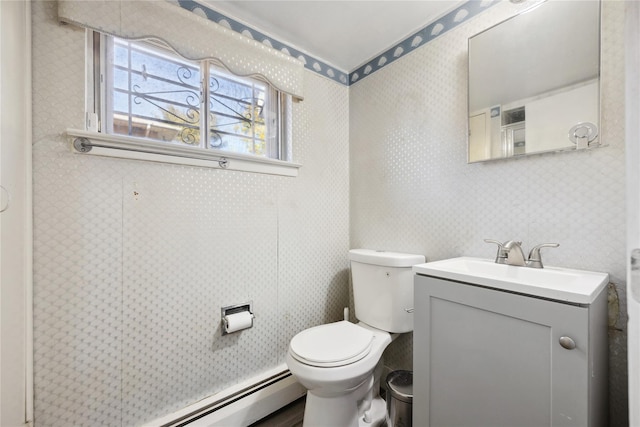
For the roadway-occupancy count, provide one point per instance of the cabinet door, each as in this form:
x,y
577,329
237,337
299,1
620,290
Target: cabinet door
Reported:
x,y
483,357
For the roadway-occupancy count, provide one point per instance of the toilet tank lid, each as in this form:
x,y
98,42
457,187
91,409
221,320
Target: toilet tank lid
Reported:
x,y
384,258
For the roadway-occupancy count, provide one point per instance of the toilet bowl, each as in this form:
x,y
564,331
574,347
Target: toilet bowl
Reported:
x,y
340,363
336,363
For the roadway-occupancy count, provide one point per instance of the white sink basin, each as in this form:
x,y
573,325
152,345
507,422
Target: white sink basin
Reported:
x,y
562,284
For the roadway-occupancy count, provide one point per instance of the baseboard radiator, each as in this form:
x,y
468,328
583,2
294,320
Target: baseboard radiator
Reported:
x,y
241,405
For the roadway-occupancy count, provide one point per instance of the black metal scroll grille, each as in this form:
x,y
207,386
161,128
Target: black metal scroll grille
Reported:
x,y
157,95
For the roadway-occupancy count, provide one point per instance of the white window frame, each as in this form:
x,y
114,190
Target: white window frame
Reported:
x,y
94,140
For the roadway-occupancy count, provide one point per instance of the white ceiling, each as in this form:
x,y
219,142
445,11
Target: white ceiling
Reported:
x,y
342,33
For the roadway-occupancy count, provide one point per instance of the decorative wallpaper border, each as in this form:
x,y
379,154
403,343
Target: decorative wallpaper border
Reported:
x,y
437,28
310,63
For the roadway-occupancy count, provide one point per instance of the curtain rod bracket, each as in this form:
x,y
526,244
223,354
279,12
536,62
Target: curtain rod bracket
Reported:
x,y
82,144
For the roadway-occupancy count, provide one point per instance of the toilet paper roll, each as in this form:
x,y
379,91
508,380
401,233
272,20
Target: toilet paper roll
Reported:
x,y
238,321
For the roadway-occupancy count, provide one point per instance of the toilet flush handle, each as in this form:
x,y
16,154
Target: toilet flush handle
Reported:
x,y
409,310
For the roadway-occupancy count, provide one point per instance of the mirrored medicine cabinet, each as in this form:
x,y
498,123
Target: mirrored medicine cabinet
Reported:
x,y
534,82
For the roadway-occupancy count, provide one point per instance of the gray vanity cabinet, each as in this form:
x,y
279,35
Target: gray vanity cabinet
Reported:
x,y
485,357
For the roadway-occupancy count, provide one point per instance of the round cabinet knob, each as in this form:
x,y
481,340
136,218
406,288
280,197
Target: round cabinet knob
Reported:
x,y
567,343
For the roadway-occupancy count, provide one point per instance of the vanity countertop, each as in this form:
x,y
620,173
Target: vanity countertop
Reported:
x,y
562,284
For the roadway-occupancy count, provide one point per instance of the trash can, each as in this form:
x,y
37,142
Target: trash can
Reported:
x,y
399,398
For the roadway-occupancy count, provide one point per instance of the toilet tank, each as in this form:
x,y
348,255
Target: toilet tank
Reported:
x,y
383,288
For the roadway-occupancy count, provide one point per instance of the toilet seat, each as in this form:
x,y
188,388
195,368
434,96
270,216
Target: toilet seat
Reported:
x,y
331,345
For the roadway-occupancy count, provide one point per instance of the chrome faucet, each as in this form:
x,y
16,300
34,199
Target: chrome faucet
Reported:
x,y
515,256
511,253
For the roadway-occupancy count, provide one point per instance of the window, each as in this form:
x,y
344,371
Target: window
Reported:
x,y
144,89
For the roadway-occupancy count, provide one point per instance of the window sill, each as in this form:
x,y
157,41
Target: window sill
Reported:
x,y
127,147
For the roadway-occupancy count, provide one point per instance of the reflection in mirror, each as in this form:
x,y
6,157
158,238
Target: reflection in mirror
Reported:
x,y
534,82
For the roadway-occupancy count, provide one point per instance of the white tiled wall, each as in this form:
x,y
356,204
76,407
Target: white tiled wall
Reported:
x,y
412,190
133,260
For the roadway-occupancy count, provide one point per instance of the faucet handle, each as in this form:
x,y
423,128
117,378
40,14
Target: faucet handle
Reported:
x,y
535,260
494,241
501,256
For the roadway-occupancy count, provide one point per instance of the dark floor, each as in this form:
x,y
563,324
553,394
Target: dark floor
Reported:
x,y
289,416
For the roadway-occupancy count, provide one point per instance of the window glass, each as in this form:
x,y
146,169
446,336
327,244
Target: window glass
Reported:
x,y
151,92
152,95
237,113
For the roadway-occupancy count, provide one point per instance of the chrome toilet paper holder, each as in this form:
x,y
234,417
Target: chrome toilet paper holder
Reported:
x,y
235,309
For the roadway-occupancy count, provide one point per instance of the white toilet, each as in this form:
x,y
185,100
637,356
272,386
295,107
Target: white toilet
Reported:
x,y
340,363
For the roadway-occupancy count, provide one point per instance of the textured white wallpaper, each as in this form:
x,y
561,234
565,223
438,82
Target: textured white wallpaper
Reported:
x,y
412,190
128,287
133,260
